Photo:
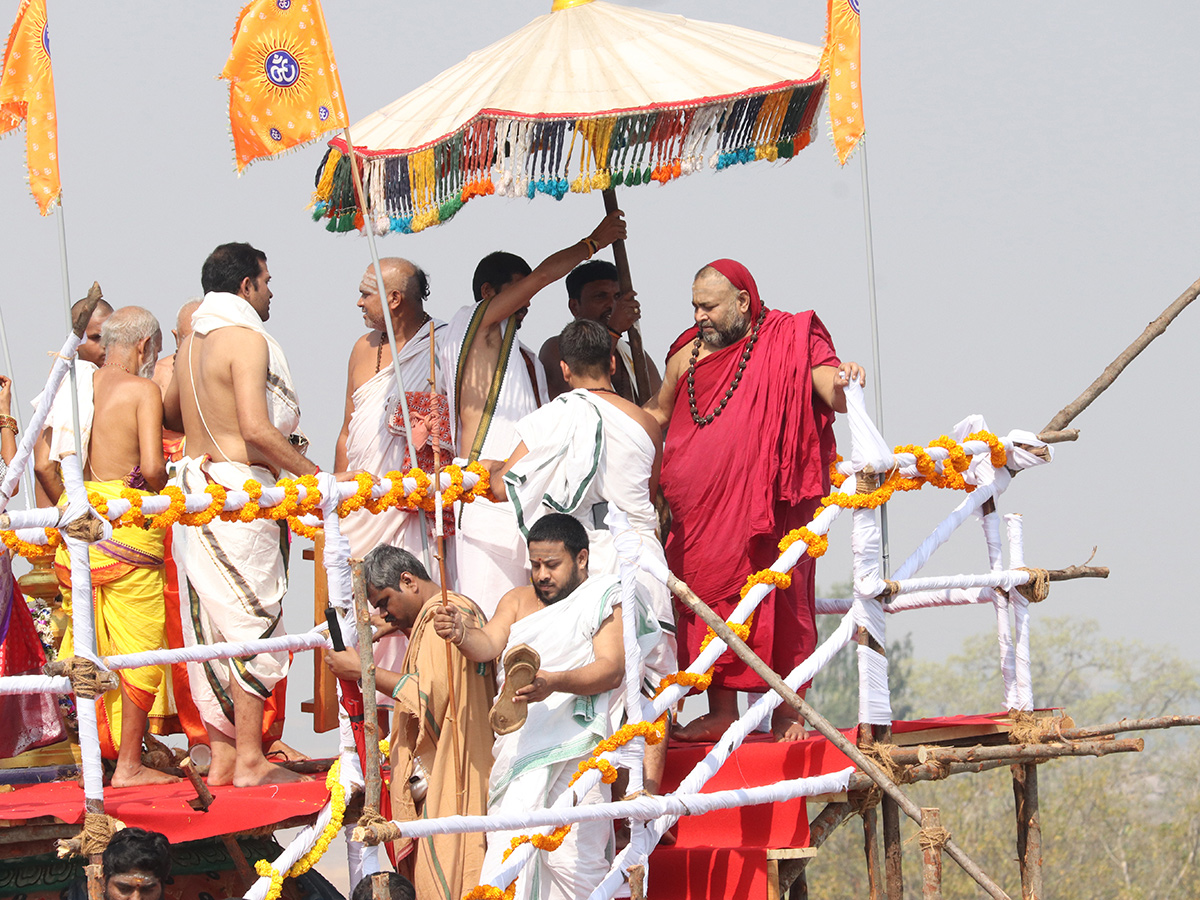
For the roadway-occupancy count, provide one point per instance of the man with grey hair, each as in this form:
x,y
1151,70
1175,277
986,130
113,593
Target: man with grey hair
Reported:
x,y
427,780
125,453
58,435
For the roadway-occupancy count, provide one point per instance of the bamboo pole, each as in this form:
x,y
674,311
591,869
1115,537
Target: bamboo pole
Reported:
x,y
893,849
1068,413
871,850
1012,753
1124,725
821,724
625,281
1029,829
366,658
931,884
439,528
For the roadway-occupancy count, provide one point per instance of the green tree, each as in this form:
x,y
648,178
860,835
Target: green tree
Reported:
x,y
1123,827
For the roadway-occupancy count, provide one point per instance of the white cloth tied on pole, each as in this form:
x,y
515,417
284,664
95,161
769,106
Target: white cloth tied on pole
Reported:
x,y
34,429
867,446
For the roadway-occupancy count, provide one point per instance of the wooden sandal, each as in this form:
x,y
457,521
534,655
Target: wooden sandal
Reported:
x,y
521,665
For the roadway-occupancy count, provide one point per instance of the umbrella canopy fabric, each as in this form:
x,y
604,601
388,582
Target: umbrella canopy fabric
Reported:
x,y
586,97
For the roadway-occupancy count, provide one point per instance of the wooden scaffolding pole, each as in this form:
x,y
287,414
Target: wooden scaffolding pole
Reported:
x,y
821,724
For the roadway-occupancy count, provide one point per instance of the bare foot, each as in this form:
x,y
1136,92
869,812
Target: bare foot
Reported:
x,y
140,775
281,752
219,773
706,728
786,729
265,773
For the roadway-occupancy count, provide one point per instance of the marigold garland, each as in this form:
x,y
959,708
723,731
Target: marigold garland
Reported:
x,y
134,515
999,454
359,498
488,892
817,543
204,516
174,512
700,681
28,550
781,580
608,772
337,801
836,478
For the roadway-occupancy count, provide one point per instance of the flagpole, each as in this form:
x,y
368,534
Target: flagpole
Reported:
x,y
15,410
876,370
66,283
386,315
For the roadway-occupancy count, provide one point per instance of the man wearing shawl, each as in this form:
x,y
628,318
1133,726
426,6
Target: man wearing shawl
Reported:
x,y
748,400
427,781
232,396
373,436
573,622
497,380
125,454
588,452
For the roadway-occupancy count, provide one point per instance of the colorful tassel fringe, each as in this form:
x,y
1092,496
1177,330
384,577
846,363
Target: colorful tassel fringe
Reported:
x,y
519,157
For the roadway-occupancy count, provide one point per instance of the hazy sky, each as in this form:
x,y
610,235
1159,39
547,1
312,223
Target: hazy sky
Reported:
x,y
1034,191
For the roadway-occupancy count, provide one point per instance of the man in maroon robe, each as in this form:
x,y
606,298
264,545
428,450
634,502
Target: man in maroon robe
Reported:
x,y
748,397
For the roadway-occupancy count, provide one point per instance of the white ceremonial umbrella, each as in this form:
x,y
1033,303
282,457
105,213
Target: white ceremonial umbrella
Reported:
x,y
588,97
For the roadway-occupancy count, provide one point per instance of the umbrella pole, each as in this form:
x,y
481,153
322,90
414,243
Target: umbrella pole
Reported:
x,y
386,315
641,376
876,373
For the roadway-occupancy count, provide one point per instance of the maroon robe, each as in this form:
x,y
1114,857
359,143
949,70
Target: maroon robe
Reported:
x,y
737,485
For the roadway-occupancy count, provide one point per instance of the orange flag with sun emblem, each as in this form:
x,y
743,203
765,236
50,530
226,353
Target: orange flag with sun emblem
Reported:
x,y
27,93
284,88
840,66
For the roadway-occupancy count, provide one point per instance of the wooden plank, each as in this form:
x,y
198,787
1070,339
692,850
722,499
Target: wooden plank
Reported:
x,y
792,853
324,705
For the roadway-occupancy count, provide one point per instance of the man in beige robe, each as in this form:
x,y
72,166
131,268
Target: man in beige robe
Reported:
x,y
428,780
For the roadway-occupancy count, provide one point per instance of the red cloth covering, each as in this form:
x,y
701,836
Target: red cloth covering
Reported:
x,y
21,654
738,484
164,807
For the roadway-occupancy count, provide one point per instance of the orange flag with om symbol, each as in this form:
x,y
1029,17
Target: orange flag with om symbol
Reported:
x,y
284,89
27,94
841,67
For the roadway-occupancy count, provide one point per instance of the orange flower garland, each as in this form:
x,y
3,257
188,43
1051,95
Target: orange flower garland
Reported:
x,y
357,500
217,492
134,516
766,576
999,454
817,543
250,511
173,513
608,772
28,550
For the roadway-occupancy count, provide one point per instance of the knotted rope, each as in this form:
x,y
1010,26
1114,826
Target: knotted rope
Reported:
x,y
373,829
1026,728
1037,588
932,837
98,830
879,754
864,802
88,680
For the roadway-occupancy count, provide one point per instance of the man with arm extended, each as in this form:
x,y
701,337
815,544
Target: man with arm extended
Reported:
x,y
232,396
749,395
594,292
427,781
585,453
496,381
573,622
125,453
58,434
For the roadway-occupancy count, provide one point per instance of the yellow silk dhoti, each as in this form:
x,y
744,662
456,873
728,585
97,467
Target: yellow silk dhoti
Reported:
x,y
128,588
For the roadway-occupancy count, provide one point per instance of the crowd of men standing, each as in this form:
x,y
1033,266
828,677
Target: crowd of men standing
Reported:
x,y
736,441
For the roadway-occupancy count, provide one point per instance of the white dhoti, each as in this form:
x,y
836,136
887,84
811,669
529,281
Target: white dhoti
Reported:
x,y
236,571
236,578
585,456
377,443
534,764
492,556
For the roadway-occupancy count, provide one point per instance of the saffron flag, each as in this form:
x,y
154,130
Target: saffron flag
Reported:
x,y
27,94
840,66
284,88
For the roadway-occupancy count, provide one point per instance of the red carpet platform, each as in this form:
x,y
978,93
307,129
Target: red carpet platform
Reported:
x,y
165,807
725,853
